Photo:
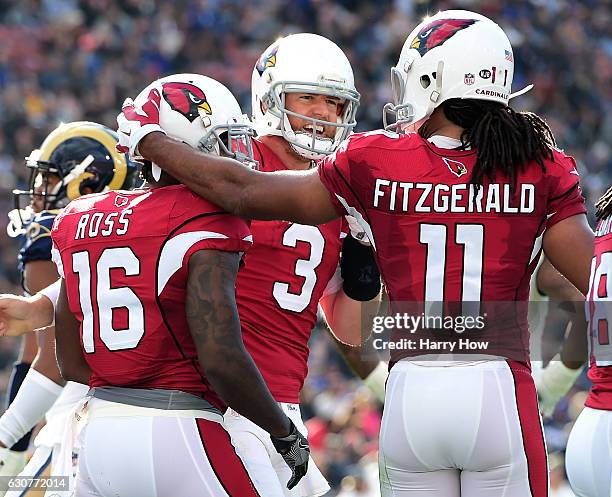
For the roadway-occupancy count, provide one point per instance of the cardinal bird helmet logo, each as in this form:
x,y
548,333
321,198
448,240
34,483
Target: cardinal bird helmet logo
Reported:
x,y
437,32
267,59
456,167
187,99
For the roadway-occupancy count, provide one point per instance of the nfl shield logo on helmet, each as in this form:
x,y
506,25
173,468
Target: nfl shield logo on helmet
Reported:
x,y
469,78
456,167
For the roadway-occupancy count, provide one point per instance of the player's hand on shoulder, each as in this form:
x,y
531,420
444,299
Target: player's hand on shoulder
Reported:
x,y
295,450
11,462
137,121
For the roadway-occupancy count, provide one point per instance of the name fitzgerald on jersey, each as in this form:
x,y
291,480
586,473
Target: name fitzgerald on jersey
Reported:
x,y
429,197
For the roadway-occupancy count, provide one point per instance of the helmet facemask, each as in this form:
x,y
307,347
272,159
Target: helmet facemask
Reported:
x,y
310,145
404,109
231,140
54,194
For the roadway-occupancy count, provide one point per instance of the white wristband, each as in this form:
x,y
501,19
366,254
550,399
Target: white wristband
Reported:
x,y
52,292
553,382
377,379
34,398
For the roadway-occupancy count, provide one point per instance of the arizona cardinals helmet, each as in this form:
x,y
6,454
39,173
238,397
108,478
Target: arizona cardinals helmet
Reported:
x,y
454,54
82,155
303,63
204,114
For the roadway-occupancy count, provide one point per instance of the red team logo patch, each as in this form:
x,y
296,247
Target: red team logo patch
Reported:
x,y
456,167
120,201
187,99
436,33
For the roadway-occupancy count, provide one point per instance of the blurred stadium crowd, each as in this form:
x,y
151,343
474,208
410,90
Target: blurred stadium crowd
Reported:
x,y
65,60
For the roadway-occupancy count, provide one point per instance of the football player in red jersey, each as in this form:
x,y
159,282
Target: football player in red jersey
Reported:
x,y
74,159
304,103
457,211
148,277
589,448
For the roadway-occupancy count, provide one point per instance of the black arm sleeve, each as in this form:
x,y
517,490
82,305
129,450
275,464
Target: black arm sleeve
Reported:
x,y
359,270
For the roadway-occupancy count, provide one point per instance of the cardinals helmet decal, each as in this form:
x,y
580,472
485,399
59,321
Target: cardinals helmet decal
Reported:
x,y
187,99
437,32
456,167
267,59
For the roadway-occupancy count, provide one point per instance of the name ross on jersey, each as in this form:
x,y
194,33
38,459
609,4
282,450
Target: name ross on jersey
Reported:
x,y
104,224
428,197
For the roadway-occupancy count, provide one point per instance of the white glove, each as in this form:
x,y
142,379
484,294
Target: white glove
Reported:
x,y
553,382
12,462
357,232
134,123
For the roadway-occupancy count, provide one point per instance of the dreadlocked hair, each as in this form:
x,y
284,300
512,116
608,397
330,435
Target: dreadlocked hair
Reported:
x,y
505,140
604,205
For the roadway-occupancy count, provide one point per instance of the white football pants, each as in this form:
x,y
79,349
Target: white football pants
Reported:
x,y
266,467
469,430
588,458
129,451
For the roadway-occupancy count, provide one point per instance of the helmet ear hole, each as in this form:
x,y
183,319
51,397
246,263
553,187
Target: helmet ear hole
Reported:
x,y
425,81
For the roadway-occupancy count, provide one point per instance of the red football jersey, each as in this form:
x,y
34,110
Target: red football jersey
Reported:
x,y
599,311
124,257
278,290
439,239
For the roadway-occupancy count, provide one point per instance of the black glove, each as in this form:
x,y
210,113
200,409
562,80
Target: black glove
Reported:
x,y
295,451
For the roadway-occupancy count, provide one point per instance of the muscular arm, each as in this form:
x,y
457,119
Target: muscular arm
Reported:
x,y
213,321
567,297
38,275
348,322
69,352
343,316
296,196
569,246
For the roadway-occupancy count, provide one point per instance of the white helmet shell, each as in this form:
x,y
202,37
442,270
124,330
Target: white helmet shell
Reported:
x,y
202,113
302,63
454,54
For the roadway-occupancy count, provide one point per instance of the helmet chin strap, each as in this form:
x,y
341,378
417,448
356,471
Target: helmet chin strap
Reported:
x,y
520,92
300,143
305,154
